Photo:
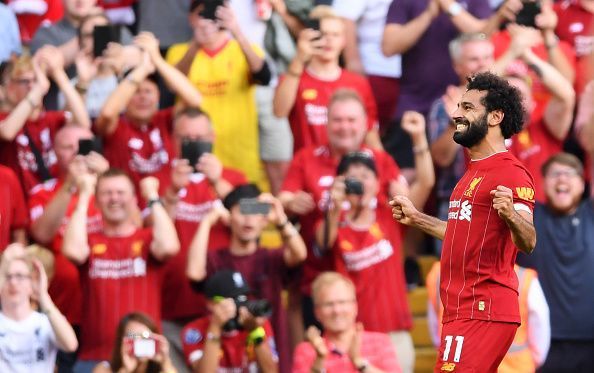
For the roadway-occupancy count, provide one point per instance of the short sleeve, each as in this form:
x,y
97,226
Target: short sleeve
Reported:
x,y
398,12
42,37
349,9
176,52
303,358
295,179
522,185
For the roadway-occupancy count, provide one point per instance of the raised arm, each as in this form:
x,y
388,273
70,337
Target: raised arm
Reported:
x,y
76,245
399,38
165,241
584,122
351,49
295,251
65,336
464,21
414,124
196,267
547,21
286,91
53,58
327,231
175,80
405,212
14,122
519,222
559,111
107,121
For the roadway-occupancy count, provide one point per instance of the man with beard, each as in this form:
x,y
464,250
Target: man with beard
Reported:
x,y
489,219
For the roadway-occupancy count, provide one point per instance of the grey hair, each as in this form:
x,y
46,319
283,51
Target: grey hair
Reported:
x,y
455,46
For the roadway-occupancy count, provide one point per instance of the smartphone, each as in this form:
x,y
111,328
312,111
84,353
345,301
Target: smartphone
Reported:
x,y
210,9
192,150
353,187
142,347
103,35
85,146
526,16
251,206
313,24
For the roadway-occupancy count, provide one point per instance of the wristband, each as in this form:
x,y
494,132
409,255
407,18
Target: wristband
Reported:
x,y
282,225
256,336
151,202
454,9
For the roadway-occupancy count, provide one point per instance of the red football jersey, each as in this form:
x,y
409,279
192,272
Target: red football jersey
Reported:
x,y
17,153
65,286
372,259
309,114
477,260
196,200
576,27
119,277
13,212
312,170
533,146
235,356
142,150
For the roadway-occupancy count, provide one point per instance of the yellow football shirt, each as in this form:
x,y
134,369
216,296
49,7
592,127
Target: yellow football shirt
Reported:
x,y
223,79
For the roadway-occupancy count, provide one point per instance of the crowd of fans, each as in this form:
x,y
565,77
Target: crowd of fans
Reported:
x,y
204,184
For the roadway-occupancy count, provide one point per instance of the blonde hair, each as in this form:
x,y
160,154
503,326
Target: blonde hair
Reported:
x,y
18,66
326,279
323,12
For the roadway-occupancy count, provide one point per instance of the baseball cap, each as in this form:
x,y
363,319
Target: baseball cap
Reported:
x,y
227,284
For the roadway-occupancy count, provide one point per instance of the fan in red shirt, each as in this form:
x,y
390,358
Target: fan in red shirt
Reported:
x,y
305,191
313,76
139,141
545,44
13,215
546,130
367,245
120,265
229,339
194,190
576,27
489,219
27,131
52,203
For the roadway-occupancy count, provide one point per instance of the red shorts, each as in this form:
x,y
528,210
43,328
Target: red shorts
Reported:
x,y
474,346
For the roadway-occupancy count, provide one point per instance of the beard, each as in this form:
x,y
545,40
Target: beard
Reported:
x,y
474,132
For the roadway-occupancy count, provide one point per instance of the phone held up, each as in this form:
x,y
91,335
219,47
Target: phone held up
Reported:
x,y
143,346
103,35
192,150
251,206
85,146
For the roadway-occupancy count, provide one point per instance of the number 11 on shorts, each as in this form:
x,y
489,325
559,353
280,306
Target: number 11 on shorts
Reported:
x,y
459,342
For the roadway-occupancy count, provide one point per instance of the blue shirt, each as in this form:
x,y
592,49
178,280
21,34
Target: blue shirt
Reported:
x,y
564,259
9,29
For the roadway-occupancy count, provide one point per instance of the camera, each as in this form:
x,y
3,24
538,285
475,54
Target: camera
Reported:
x,y
258,308
144,346
353,186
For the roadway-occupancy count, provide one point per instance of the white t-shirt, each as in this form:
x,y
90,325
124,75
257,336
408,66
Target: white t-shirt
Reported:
x,y
370,18
28,345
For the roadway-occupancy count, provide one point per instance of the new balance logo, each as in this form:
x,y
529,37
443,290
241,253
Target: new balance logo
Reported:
x,y
465,211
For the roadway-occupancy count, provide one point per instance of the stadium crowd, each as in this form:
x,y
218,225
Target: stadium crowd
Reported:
x,y
203,185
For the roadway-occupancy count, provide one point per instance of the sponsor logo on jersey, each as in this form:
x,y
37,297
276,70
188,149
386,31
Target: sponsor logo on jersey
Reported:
x,y
525,193
463,210
472,186
448,367
309,94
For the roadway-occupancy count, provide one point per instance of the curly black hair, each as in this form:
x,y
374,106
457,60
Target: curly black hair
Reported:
x,y
500,96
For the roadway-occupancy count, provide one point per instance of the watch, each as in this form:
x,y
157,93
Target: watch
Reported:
x,y
152,201
213,337
454,9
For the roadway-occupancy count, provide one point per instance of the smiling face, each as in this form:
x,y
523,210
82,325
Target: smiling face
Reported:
x,y
336,307
564,187
347,124
333,39
471,119
115,198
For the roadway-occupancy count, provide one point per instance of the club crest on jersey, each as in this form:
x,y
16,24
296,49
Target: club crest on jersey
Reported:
x,y
472,186
525,193
309,94
448,367
99,248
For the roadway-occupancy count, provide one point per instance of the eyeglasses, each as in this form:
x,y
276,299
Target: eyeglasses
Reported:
x,y
18,277
340,303
567,173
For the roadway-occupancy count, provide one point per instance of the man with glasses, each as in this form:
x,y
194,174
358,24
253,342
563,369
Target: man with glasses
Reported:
x,y
29,340
563,257
345,346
